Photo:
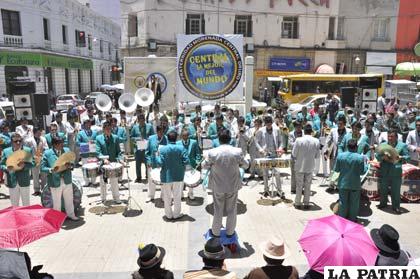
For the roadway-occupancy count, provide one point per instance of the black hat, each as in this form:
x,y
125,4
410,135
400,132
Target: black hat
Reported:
x,y
386,239
213,250
150,255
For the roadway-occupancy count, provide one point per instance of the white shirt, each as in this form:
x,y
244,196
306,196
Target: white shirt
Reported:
x,y
25,132
305,150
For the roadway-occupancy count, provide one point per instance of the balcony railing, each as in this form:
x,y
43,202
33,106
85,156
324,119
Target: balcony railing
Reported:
x,y
10,40
47,44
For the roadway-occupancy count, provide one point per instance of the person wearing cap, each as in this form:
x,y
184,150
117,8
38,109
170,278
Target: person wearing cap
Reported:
x,y
85,137
390,254
305,150
390,173
274,251
141,131
39,145
150,263
108,145
363,146
60,183
17,181
54,133
24,129
225,181
154,143
172,159
213,255
413,144
351,166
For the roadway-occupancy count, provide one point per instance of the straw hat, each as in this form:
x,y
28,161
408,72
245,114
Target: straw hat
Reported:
x,y
65,158
17,157
275,248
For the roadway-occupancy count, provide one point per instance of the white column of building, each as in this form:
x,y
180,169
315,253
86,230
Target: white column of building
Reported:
x,y
59,81
74,85
2,81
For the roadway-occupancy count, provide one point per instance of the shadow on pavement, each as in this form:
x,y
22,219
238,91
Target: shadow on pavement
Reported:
x,y
197,201
364,208
243,252
71,225
240,207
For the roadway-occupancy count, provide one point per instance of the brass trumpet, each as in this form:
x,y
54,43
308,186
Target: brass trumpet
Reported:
x,y
1,141
326,131
38,156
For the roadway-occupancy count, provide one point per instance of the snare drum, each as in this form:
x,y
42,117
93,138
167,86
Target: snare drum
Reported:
x,y
207,143
410,191
46,198
370,188
155,176
113,170
90,170
192,178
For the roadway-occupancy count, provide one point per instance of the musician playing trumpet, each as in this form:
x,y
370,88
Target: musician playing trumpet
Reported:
x,y
39,145
17,180
252,148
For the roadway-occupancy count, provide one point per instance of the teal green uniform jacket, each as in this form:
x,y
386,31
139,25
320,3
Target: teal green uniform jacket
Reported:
x,y
216,142
212,130
351,166
23,177
317,125
172,159
192,131
143,132
152,148
84,137
249,117
362,144
47,163
109,147
120,133
193,151
7,141
300,117
389,169
48,137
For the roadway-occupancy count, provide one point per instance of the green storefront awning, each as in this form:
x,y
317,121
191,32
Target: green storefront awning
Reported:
x,y
33,59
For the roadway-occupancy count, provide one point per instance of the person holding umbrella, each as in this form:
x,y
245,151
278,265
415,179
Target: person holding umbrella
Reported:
x,y
351,166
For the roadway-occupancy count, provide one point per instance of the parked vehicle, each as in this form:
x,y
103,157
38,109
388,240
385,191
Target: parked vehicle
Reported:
x,y
308,102
90,99
67,101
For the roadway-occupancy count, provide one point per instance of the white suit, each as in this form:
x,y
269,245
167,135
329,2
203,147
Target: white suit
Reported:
x,y
36,170
413,142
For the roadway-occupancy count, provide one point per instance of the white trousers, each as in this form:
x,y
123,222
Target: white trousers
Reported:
x,y
19,193
87,179
114,188
276,173
173,191
65,191
303,181
39,178
151,184
318,164
224,202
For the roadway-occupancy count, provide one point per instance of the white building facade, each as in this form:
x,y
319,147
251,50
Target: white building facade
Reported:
x,y
316,32
62,45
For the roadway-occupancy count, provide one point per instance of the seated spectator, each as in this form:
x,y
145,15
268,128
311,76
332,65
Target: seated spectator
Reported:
x,y
390,254
213,258
149,261
274,252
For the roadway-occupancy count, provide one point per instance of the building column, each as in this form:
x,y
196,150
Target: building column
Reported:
x,y
3,90
59,81
74,82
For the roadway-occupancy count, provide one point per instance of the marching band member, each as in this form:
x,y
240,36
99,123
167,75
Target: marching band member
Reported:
x,y
334,140
383,137
90,115
142,131
268,142
151,156
86,136
60,183
293,135
164,123
351,166
125,123
17,181
242,136
193,152
107,144
172,158
362,141
153,117
196,113
53,133
61,127
250,116
321,126
195,129
252,147
304,115
214,127
177,122
305,150
39,145
413,143
72,129
372,134
5,139
390,172
231,122
24,129
118,131
225,182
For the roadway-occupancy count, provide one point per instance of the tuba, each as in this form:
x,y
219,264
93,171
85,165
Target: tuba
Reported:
x,y
144,97
103,102
127,102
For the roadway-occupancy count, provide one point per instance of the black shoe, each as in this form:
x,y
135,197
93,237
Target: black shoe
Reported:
x,y
306,206
380,206
297,206
36,193
397,211
213,235
138,180
266,194
293,191
283,196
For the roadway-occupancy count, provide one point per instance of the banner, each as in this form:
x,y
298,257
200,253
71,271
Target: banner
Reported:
x,y
289,64
210,67
139,70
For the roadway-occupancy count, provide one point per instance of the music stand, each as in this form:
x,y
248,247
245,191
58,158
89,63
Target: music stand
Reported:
x,y
129,210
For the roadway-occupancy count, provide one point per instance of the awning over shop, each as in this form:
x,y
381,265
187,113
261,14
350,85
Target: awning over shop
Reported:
x,y
407,69
274,79
325,69
34,59
379,70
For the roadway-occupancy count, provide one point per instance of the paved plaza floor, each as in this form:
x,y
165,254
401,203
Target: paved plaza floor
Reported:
x,y
105,245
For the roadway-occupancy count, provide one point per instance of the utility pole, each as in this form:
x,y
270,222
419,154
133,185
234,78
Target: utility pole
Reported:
x,y
218,16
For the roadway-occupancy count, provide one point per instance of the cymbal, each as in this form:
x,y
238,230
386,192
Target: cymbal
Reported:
x,y
388,150
67,157
17,157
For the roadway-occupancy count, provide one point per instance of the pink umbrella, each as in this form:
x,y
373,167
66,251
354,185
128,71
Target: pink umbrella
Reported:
x,y
335,241
20,225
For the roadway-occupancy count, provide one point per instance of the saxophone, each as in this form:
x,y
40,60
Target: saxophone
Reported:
x,y
38,155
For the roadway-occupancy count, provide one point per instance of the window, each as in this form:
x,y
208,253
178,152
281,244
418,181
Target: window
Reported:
x,y
340,28
80,38
46,24
331,28
89,42
243,25
133,29
101,46
290,27
380,30
64,31
109,48
11,23
195,24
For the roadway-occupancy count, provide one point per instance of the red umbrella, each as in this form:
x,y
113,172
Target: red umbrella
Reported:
x,y
335,241
21,225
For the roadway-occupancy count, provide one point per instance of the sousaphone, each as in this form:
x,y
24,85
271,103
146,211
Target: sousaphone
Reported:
x,y
127,102
103,102
144,97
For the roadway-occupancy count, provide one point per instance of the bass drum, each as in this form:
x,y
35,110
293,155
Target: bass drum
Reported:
x,y
46,198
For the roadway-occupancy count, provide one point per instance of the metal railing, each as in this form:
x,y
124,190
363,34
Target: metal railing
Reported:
x,y
10,40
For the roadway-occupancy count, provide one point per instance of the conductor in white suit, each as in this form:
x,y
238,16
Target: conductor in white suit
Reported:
x,y
225,181
305,150
413,144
